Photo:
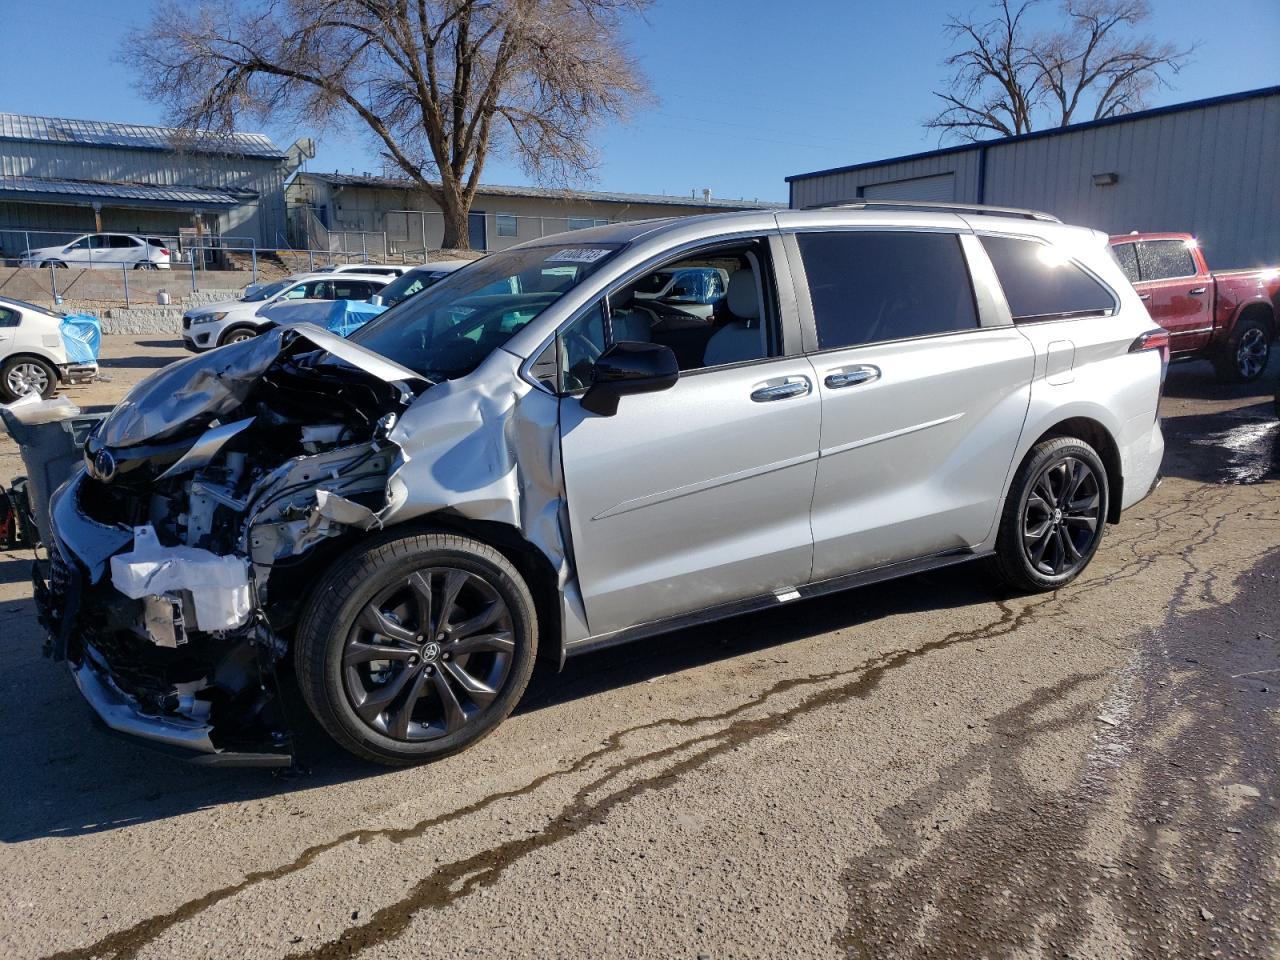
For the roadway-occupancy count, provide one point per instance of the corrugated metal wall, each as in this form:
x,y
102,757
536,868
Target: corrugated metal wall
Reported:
x,y
64,161
1211,171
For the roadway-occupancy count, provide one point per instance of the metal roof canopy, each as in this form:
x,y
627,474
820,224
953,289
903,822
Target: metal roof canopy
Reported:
x,y
547,193
133,136
78,192
1047,132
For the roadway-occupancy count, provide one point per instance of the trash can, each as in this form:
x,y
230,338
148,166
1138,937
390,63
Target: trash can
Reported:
x,y
51,435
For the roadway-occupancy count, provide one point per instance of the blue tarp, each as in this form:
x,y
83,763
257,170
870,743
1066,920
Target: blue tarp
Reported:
x,y
348,316
82,336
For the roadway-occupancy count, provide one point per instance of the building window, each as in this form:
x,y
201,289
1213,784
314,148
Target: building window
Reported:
x,y
506,224
582,223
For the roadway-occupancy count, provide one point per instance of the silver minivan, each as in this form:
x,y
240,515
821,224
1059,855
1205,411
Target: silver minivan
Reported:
x,y
528,459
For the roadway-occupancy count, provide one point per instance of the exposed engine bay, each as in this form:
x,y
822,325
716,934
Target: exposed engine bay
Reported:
x,y
186,545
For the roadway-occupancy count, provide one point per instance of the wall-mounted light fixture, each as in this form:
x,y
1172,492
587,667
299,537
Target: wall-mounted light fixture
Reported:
x,y
1105,179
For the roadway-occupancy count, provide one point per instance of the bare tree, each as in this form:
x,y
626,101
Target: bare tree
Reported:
x,y
439,84
1007,79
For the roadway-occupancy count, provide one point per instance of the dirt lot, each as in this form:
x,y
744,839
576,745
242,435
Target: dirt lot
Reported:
x,y
925,769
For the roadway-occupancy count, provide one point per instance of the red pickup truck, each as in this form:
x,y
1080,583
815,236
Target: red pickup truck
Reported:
x,y
1228,317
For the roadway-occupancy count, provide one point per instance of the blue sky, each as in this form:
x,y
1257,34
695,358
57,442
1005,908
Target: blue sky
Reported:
x,y
750,90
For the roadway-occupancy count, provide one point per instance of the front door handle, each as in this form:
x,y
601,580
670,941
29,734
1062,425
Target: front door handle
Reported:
x,y
1144,296
852,376
1197,292
791,387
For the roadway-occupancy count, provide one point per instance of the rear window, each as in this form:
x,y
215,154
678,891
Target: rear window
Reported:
x,y
1165,260
1126,255
1040,283
870,287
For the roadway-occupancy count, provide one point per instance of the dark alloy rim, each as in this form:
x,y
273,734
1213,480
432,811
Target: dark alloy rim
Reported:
x,y
429,655
1251,357
1062,518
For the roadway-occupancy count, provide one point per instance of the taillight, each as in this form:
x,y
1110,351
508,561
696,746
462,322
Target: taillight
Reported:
x,y
1156,339
164,251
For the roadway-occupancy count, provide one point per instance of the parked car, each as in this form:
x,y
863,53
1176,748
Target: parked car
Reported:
x,y
104,251
692,292
389,270
33,357
415,280
516,462
1227,317
230,321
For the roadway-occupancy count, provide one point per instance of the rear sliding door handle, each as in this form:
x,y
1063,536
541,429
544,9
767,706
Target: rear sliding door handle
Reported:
x,y
1197,292
1144,296
791,387
852,376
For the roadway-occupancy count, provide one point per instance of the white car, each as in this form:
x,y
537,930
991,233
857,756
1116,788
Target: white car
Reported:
x,y
416,280
217,324
33,358
387,270
102,251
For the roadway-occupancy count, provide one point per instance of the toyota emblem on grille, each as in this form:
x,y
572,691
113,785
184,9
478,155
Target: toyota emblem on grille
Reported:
x,y
104,465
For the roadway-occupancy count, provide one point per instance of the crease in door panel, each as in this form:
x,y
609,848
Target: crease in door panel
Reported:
x,y
868,441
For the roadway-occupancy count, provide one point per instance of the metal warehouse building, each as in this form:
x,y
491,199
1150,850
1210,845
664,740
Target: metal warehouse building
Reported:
x,y
338,211
87,175
1208,167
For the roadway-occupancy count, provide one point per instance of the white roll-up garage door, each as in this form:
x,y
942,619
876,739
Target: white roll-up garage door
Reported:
x,y
941,187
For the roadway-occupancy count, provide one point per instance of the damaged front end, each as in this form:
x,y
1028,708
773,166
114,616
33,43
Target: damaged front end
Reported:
x,y
183,549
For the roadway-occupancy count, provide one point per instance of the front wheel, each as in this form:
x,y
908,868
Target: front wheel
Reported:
x,y
1054,516
415,647
1246,354
238,335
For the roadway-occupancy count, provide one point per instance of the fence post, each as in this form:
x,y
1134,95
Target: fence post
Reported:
x,y
53,283
311,259
27,239
193,269
124,272
254,254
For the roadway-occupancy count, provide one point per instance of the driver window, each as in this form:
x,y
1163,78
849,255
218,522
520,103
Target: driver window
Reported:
x,y
712,308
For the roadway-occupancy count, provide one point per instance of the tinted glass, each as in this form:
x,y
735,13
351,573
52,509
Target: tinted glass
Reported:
x,y
123,242
447,330
872,287
1039,282
265,292
353,289
9,318
1165,259
1126,255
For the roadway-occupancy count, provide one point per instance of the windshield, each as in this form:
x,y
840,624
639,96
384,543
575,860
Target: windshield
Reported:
x,y
265,292
449,329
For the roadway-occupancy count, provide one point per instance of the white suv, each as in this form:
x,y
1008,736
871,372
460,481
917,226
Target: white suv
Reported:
x,y
231,321
102,251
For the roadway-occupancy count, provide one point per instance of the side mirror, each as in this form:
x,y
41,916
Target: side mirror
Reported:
x,y
629,367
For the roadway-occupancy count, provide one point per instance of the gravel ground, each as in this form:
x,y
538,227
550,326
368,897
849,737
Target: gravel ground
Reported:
x,y
930,768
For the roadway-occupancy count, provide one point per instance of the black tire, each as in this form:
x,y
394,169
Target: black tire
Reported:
x,y
237,334
54,263
1042,482
27,369
345,686
1245,355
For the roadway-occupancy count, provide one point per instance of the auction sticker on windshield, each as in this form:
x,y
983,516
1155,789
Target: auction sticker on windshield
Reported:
x,y
584,255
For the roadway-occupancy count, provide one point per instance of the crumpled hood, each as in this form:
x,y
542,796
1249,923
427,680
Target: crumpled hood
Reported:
x,y
187,396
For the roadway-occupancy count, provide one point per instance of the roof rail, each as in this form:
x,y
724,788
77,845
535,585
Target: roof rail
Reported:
x,y
927,205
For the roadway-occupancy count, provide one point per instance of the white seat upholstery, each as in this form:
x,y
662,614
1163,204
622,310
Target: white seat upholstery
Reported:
x,y
743,338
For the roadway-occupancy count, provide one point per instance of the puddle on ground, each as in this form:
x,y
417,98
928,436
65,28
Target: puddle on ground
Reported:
x,y
1250,452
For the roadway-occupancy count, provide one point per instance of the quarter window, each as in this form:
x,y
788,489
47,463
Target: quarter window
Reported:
x,y
1040,283
871,287
1165,260
9,318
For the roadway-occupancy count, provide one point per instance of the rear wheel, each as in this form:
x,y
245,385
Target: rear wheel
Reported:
x,y
1054,516
1246,353
20,376
416,647
54,263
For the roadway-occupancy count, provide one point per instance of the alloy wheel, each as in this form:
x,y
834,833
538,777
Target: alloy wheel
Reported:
x,y
1251,354
25,378
240,336
1062,518
428,655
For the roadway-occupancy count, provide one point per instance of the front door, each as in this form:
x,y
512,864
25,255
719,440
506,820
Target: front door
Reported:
x,y
697,495
477,232
921,407
1176,297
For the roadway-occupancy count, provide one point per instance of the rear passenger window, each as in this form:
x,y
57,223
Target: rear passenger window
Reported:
x,y
1126,255
9,318
870,287
1165,260
1041,284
